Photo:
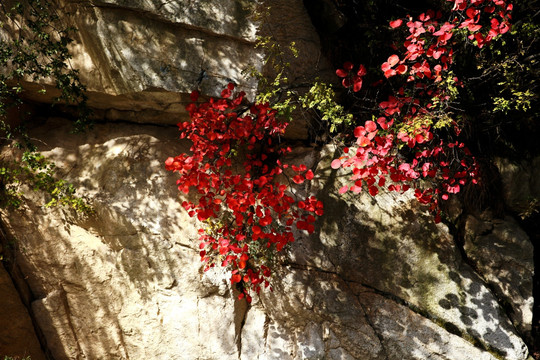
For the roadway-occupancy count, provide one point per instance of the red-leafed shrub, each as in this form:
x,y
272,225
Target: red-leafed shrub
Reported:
x,y
413,142
247,209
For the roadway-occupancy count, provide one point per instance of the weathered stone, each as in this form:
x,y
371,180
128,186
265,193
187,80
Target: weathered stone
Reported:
x,y
332,318
233,18
321,315
391,245
17,336
408,335
125,281
140,59
521,184
262,338
503,253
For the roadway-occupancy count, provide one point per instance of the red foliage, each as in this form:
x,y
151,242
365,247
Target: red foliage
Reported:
x,y
246,210
447,165
351,79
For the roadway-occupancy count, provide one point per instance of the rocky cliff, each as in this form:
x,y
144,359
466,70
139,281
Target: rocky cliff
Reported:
x,y
377,280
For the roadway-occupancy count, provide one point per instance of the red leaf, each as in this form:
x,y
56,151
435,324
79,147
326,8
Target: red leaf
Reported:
x,y
361,71
402,69
472,12
505,26
336,164
357,84
393,60
363,141
341,73
389,73
444,30
348,65
309,175
265,221
194,95
404,167
479,39
370,126
343,189
299,179
396,23
359,131
382,123
226,93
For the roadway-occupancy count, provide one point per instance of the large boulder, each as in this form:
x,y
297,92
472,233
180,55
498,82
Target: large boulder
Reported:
x,y
115,285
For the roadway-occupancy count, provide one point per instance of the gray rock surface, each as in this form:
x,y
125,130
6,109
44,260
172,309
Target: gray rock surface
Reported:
x,y
503,253
116,285
141,59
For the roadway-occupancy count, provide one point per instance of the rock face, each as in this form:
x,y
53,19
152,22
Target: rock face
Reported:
x,y
521,182
503,253
126,282
141,59
378,279
17,336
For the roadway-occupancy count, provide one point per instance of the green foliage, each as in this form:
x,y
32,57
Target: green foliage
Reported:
x,y
505,108
35,172
34,48
321,97
518,100
274,88
514,70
